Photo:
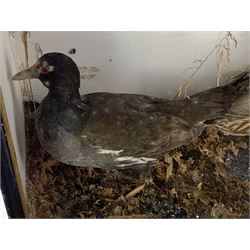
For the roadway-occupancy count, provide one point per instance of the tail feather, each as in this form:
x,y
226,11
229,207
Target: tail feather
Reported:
x,y
236,121
216,102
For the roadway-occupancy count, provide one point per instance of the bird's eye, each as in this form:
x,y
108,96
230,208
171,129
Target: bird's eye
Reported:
x,y
45,71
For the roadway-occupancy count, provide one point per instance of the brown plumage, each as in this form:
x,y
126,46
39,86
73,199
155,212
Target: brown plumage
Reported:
x,y
236,121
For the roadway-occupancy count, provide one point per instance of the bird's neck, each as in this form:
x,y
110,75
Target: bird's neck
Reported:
x,y
65,95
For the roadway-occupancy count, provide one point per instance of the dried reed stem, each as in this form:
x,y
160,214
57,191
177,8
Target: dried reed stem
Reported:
x,y
27,88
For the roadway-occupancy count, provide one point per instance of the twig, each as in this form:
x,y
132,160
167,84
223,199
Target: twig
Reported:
x,y
135,191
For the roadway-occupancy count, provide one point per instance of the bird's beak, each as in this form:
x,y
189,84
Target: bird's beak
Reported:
x,y
29,73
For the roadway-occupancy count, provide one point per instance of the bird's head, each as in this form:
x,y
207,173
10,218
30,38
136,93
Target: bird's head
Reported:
x,y
55,70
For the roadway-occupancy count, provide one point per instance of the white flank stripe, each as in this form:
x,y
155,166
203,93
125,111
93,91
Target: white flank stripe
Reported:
x,y
133,160
107,151
129,159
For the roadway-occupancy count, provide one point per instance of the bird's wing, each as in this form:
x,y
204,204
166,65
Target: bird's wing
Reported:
x,y
135,125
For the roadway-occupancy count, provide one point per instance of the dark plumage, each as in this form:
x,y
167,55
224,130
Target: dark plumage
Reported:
x,y
117,130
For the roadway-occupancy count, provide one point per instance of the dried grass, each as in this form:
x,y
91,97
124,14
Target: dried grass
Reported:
x,y
38,50
223,55
135,191
25,86
27,90
223,52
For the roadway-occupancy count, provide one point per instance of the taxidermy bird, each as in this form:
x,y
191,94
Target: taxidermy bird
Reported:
x,y
120,130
